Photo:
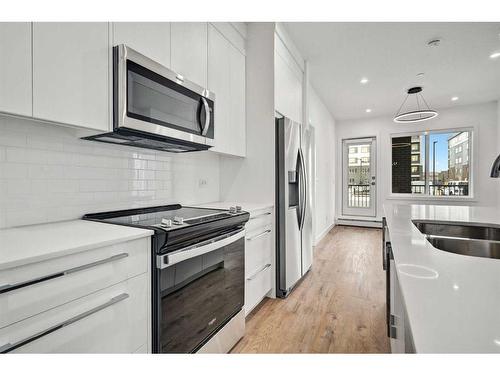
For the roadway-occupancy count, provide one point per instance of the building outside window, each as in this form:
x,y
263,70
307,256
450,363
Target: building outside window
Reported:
x,y
359,165
432,163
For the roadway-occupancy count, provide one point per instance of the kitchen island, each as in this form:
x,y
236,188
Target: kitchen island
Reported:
x,y
449,303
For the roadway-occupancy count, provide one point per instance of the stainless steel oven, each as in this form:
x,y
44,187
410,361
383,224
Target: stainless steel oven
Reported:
x,y
200,290
154,107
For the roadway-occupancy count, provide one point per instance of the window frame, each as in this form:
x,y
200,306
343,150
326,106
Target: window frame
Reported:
x,y
426,196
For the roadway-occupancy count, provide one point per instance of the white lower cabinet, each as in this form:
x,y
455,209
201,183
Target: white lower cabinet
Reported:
x,y
93,301
399,330
84,273
257,286
113,320
259,259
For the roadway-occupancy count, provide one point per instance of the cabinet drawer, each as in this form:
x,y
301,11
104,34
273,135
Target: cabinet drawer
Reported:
x,y
111,320
259,219
258,250
32,289
256,287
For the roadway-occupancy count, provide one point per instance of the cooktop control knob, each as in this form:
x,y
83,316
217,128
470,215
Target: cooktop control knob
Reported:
x,y
178,220
166,223
232,210
238,208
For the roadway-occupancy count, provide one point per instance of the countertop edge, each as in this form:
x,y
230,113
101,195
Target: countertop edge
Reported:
x,y
73,250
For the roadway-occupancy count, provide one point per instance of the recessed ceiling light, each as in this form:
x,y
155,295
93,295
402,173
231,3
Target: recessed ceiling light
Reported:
x,y
495,55
368,110
454,98
364,81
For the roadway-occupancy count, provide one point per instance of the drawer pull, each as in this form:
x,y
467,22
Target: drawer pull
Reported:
x,y
259,235
259,271
10,347
10,287
264,214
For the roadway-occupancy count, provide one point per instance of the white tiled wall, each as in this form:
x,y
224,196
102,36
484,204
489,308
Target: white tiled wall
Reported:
x,y
48,174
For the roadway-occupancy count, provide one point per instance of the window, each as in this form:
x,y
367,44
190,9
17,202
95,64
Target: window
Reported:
x,y
365,160
353,150
433,163
353,161
365,150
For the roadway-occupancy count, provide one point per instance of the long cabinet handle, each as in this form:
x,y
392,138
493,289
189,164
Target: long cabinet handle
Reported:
x,y
259,235
264,214
259,271
10,347
10,287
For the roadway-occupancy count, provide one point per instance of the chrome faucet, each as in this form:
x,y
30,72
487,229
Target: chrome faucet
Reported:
x,y
495,169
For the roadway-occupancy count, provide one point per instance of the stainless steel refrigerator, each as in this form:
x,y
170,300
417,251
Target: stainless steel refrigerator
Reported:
x,y
294,202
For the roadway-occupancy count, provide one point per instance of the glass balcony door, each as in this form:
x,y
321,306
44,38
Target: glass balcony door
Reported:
x,y
359,177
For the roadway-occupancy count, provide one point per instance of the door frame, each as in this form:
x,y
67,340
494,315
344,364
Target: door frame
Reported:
x,y
362,212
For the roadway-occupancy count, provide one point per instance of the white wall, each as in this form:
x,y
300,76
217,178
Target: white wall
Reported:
x,y
48,174
483,118
252,179
324,127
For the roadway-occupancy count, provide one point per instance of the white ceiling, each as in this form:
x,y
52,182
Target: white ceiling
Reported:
x,y
390,55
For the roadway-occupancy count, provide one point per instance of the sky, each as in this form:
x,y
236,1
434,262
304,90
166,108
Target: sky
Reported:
x,y
441,151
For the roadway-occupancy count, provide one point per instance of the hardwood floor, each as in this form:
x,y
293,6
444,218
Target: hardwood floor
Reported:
x,y
339,307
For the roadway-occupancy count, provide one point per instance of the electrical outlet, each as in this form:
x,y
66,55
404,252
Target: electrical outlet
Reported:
x,y
202,182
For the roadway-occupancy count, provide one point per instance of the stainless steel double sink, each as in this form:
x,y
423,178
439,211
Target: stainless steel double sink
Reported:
x,y
465,239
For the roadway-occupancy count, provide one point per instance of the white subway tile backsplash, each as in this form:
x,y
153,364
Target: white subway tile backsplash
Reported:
x,y
13,170
48,174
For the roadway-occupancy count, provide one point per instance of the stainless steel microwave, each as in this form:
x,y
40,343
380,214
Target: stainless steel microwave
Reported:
x,y
154,107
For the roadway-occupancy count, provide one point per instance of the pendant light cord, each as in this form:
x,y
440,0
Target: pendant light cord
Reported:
x,y
404,101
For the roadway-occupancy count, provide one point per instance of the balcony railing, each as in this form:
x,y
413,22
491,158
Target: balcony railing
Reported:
x,y
359,196
442,190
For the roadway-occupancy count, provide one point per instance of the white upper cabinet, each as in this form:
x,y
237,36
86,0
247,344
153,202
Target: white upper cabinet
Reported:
x,y
71,73
189,51
218,82
226,78
15,68
288,83
152,39
237,113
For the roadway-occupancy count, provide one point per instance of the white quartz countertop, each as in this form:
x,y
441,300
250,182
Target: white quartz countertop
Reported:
x,y
452,301
245,206
34,243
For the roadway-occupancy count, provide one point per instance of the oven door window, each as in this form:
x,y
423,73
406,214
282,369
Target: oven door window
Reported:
x,y
199,295
156,99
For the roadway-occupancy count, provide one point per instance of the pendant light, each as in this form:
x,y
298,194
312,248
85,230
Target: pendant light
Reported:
x,y
420,113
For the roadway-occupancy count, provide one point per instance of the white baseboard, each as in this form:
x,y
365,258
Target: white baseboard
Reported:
x,y
359,222
324,233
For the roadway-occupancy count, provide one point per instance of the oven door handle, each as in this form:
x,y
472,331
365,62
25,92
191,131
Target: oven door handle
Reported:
x,y
164,261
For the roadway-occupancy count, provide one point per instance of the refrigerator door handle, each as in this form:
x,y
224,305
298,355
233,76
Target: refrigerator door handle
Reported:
x,y
303,189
